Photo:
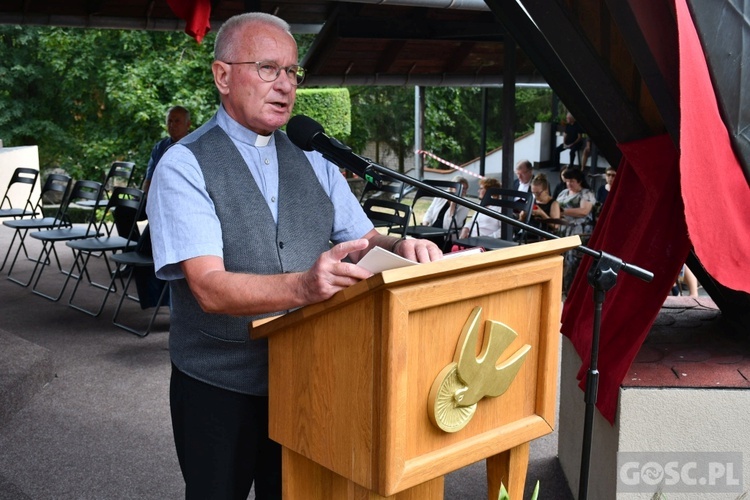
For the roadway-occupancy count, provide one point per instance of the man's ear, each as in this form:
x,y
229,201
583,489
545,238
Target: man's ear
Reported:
x,y
222,73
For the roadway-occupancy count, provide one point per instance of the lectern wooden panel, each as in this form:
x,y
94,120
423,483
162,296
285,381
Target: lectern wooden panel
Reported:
x,y
350,378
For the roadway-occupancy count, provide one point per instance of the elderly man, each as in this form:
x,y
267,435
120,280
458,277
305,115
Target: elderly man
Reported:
x,y
524,174
178,126
242,223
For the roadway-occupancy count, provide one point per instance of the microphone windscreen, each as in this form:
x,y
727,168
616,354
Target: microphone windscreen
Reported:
x,y
301,129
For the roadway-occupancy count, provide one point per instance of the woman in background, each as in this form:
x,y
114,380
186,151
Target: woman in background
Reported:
x,y
486,226
545,206
576,208
576,202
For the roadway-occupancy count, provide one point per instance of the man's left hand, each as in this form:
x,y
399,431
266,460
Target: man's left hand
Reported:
x,y
418,250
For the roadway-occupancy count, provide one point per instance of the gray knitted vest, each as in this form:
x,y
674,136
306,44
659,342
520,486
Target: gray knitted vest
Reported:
x,y
216,348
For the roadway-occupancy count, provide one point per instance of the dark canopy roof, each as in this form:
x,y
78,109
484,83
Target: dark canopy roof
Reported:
x,y
362,43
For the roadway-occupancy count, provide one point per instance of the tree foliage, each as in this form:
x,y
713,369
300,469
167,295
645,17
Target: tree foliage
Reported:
x,y
90,97
383,115
452,123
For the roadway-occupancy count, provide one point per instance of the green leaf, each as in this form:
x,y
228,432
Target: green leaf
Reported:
x,y
535,494
503,493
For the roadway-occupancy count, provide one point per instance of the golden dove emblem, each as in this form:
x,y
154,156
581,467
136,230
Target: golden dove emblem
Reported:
x,y
462,384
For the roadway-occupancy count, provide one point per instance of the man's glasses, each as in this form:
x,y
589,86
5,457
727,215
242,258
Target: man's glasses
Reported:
x,y
269,71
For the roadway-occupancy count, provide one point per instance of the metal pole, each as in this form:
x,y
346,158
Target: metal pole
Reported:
x,y
483,141
509,119
419,131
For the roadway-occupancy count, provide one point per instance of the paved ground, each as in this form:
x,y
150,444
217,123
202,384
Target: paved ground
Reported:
x,y
83,405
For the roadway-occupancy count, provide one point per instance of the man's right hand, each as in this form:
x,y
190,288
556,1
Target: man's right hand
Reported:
x,y
329,274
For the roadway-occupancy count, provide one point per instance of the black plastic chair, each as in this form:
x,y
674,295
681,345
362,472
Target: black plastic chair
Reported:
x,y
512,203
26,176
82,191
390,189
435,232
55,185
388,214
122,199
120,172
131,263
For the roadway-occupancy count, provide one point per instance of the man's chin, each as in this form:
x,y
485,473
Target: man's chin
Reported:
x,y
279,119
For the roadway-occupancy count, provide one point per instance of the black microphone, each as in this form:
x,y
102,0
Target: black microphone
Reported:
x,y
307,134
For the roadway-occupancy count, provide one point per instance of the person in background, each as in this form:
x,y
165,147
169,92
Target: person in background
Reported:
x,y
576,206
576,202
178,126
560,185
686,279
524,173
604,189
246,225
572,141
545,209
691,281
486,225
545,206
586,153
446,214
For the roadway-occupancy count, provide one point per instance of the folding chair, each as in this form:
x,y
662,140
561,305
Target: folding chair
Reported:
x,y
120,172
55,184
418,231
140,258
121,199
392,188
510,201
388,214
26,176
82,190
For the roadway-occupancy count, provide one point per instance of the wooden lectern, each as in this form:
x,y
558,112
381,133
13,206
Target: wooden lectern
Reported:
x,y
351,379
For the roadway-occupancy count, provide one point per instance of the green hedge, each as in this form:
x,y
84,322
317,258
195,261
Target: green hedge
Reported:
x,y
332,108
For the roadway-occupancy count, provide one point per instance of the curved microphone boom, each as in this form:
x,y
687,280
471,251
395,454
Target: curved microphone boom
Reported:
x,y
309,135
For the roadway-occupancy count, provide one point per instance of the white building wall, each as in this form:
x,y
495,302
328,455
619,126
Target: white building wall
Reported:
x,y
10,160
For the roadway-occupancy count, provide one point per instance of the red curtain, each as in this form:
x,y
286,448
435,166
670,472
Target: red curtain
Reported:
x,y
196,14
660,196
714,188
642,223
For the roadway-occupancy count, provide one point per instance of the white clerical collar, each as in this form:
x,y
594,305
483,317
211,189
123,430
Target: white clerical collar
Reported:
x,y
262,140
239,133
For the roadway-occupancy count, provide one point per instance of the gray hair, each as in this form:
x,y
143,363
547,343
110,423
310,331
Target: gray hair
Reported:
x,y
525,165
181,109
461,180
225,46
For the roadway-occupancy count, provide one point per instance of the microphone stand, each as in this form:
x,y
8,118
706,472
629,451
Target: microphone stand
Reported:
x,y
602,276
